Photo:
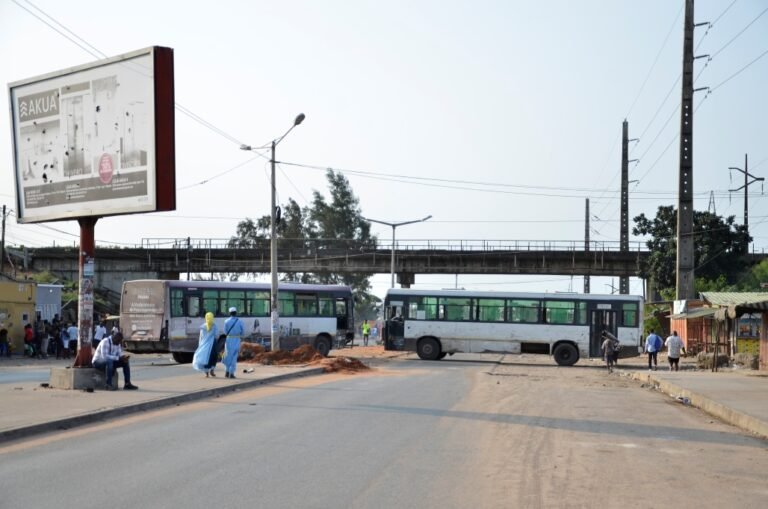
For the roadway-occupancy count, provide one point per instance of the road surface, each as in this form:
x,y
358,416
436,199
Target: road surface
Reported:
x,y
495,432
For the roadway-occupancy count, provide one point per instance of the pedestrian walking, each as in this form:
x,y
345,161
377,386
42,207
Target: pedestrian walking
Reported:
x,y
366,328
63,351
205,356
609,346
73,337
653,345
109,356
674,346
234,329
99,334
5,348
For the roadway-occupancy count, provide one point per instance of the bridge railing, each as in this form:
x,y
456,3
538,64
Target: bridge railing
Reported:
x,y
401,245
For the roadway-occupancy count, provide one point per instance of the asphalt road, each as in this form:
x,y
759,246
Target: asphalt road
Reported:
x,y
450,434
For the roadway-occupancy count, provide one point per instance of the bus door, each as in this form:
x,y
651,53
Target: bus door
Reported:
x,y
602,318
342,314
394,328
193,315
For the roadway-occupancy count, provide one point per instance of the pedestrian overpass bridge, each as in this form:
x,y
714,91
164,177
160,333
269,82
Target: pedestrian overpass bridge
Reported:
x,y
168,258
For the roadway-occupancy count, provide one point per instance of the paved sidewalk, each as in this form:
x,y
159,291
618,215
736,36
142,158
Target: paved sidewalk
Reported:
x,y
736,396
28,408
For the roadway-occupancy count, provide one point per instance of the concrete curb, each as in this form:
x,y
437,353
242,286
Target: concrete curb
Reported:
x,y
722,412
109,413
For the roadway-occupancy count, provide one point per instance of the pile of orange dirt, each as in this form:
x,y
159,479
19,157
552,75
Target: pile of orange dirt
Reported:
x,y
304,354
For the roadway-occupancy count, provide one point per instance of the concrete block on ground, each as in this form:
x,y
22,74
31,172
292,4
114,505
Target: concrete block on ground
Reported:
x,y
81,379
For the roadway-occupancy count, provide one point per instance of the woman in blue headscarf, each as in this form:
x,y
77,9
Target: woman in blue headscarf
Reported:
x,y
206,356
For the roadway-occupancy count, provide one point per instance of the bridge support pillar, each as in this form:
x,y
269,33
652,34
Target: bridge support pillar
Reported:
x,y
406,279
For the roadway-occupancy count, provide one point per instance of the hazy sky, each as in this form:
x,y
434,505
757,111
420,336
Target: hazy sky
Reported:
x,y
508,112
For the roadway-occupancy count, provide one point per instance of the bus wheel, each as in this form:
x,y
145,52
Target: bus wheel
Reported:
x,y
428,349
323,346
566,354
182,357
442,355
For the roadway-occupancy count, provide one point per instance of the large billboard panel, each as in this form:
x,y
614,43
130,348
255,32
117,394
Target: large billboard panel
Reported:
x,y
95,140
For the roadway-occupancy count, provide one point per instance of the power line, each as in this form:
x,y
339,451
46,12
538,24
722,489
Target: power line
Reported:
x,y
738,34
729,78
96,53
648,75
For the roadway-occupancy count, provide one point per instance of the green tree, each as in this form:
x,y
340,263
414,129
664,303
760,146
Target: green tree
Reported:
x,y
719,246
334,223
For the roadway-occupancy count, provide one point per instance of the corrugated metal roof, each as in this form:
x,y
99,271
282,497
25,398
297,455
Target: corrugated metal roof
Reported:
x,y
694,313
734,298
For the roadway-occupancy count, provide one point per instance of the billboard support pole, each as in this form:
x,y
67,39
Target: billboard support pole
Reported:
x,y
85,294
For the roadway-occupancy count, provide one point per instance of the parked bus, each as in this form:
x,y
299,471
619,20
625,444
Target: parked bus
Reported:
x,y
165,315
566,326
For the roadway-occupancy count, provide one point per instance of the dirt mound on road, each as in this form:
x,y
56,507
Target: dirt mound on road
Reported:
x,y
304,354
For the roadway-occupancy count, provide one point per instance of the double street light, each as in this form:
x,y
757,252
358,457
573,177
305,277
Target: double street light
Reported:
x,y
275,314
395,225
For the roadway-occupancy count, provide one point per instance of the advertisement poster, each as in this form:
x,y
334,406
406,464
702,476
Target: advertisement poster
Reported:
x,y
84,141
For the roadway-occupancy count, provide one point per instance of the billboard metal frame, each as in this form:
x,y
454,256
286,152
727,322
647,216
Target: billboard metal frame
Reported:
x,y
96,140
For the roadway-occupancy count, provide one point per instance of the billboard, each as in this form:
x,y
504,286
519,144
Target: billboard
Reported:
x,y
95,140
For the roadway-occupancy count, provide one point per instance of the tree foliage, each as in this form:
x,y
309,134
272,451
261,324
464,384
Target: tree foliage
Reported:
x,y
719,248
328,222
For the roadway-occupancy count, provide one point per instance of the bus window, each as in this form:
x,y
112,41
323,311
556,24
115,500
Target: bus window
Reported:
x,y
228,299
395,313
523,311
193,305
211,302
422,308
285,304
326,306
306,304
490,310
629,315
559,311
581,313
456,308
177,302
258,303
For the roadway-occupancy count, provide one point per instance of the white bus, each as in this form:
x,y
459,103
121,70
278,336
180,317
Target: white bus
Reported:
x,y
566,326
166,315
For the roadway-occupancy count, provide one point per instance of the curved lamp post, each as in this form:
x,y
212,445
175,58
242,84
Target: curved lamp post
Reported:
x,y
395,225
275,314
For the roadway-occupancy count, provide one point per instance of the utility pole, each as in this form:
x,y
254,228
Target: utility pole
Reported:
x,y
189,251
624,233
2,244
586,242
711,207
747,182
685,261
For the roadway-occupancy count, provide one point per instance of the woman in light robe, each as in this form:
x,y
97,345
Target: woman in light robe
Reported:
x,y
206,356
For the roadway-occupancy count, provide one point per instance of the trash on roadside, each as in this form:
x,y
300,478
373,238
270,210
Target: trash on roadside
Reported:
x,y
683,400
248,370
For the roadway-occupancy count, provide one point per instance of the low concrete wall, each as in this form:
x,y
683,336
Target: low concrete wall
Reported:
x,y
81,379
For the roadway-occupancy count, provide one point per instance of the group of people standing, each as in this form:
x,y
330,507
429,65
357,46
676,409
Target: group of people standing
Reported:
x,y
653,345
49,338
211,345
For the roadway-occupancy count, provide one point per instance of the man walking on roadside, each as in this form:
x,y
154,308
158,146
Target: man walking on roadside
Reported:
x,y
234,330
652,346
366,328
674,346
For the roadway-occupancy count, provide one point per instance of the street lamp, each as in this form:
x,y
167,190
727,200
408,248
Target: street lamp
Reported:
x,y
395,225
275,314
